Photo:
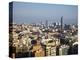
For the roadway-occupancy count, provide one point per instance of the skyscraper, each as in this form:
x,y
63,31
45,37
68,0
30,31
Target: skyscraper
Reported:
x,y
46,24
61,23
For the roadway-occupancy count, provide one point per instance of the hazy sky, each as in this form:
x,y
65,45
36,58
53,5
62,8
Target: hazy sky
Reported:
x,y
36,12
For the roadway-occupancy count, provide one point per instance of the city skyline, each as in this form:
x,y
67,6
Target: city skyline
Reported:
x,y
35,13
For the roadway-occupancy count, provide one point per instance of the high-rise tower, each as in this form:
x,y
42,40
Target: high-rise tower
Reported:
x,y
61,23
46,24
